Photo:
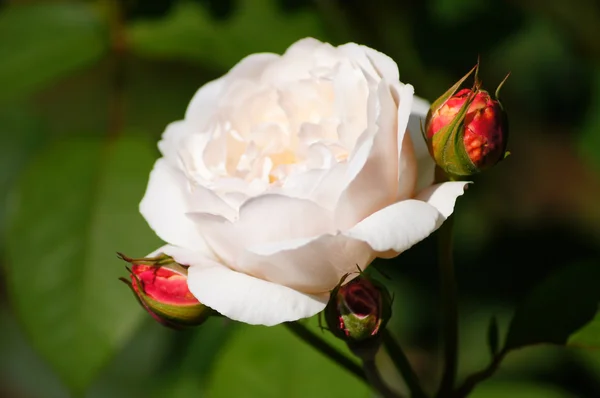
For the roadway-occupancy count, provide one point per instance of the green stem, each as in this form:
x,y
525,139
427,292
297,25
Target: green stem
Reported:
x,y
321,345
403,365
469,384
449,308
376,381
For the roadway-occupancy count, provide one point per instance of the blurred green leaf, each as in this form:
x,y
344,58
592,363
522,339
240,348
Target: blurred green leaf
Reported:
x,y
519,389
556,308
19,364
75,206
588,336
133,371
40,43
20,136
189,32
272,362
186,370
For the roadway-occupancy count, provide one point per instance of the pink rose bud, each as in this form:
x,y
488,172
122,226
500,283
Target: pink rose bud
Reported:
x,y
160,285
358,310
467,131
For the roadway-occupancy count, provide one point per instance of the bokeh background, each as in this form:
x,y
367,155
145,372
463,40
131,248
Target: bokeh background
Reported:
x,y
86,89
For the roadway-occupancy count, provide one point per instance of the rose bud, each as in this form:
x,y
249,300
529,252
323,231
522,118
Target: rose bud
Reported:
x,y
358,310
467,131
160,285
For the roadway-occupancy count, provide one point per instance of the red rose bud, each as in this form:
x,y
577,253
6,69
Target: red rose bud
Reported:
x,y
358,310
467,131
160,285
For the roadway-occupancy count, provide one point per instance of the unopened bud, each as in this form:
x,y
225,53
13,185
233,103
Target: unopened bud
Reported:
x,y
359,310
160,285
467,131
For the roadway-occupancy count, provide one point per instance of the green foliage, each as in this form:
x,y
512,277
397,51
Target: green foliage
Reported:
x,y
190,33
556,308
588,336
271,362
40,43
518,389
63,234
20,136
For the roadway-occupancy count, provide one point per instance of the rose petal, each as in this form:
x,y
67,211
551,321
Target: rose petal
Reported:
x,y
407,172
311,265
322,186
443,196
265,218
398,227
425,163
203,104
385,66
247,299
376,185
171,140
165,204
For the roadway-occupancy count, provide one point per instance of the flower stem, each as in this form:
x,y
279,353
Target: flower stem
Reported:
x,y
469,384
449,308
376,381
321,345
403,365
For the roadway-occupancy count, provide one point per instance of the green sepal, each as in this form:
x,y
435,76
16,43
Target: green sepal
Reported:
x,y
451,154
437,104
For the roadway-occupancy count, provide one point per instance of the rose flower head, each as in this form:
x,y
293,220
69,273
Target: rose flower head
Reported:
x,y
160,285
467,131
288,172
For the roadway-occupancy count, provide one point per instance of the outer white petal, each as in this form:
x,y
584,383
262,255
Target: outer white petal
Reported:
x,y
171,141
311,265
247,299
443,196
385,66
398,227
407,165
165,204
376,185
263,219
426,164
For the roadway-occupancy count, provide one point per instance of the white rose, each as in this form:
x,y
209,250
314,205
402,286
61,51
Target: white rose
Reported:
x,y
289,172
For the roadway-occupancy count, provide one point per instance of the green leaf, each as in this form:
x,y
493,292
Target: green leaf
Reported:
x,y
588,336
559,306
74,207
40,43
20,136
185,372
189,32
272,362
519,389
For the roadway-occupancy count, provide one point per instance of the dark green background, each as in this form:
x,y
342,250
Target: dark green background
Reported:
x,y
84,98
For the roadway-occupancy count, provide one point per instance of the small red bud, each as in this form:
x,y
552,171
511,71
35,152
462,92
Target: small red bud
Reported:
x,y
358,310
160,285
467,131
